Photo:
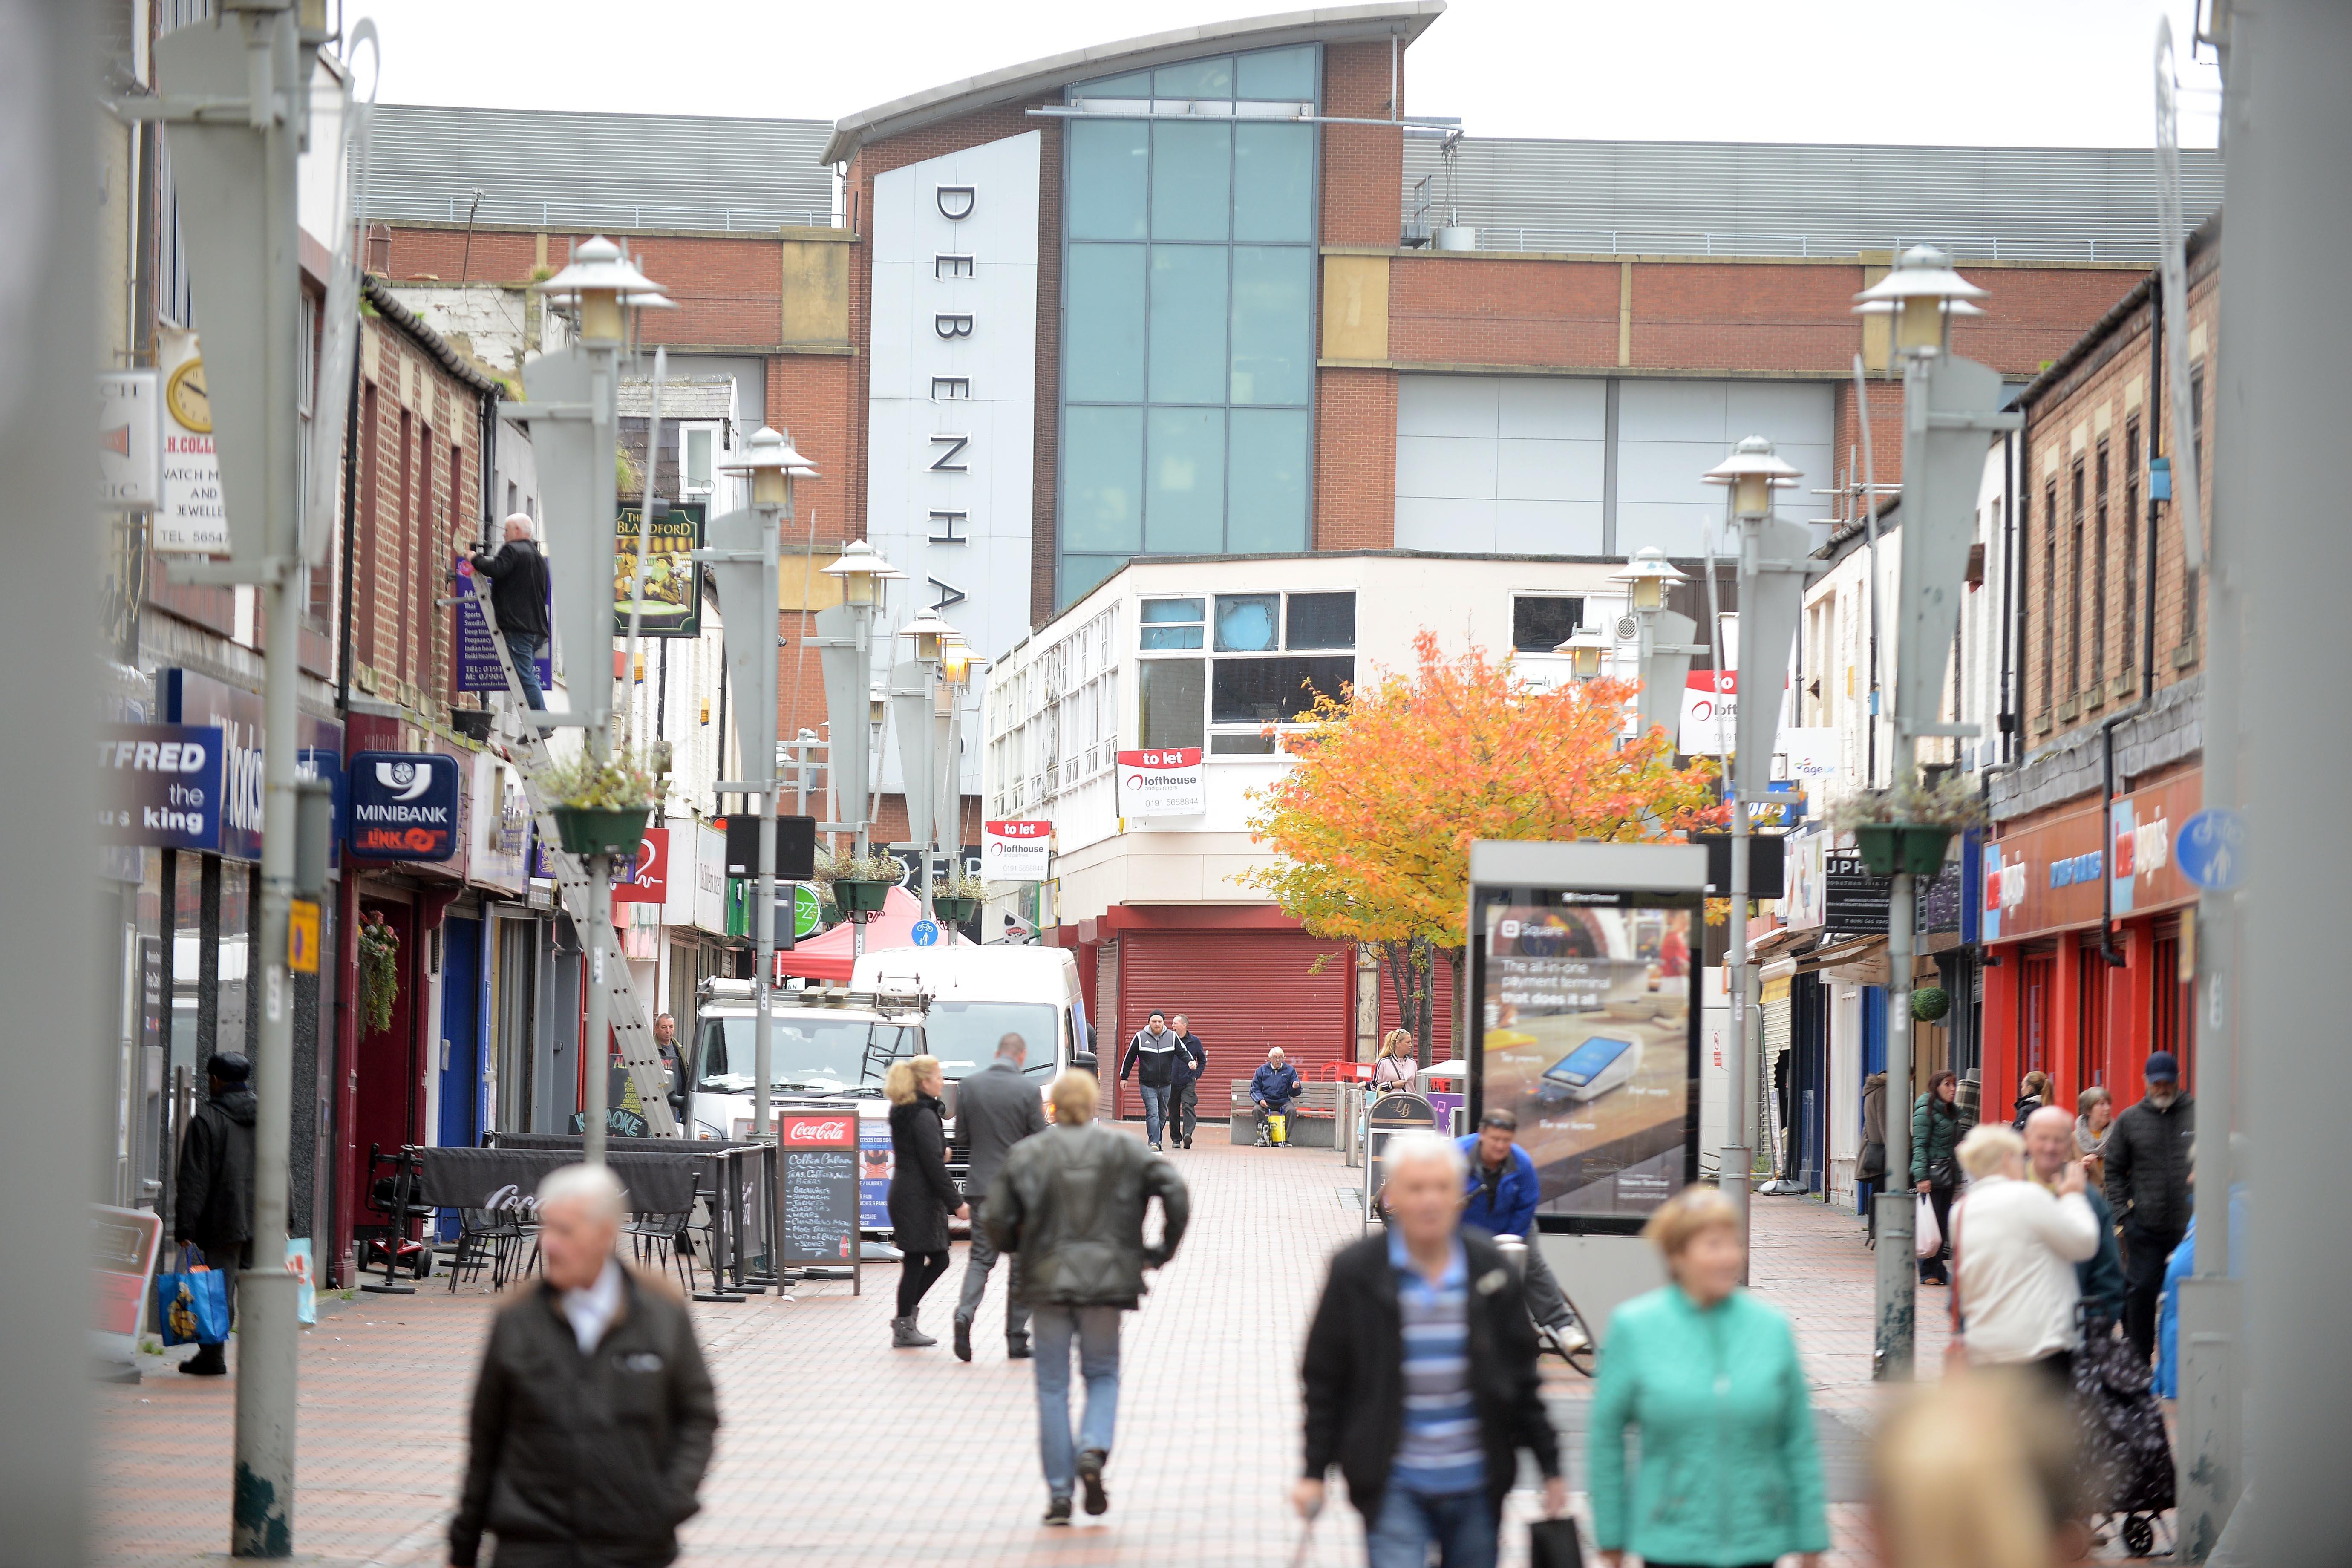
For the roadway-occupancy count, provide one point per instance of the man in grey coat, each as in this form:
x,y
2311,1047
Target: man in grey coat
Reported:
x,y
995,1110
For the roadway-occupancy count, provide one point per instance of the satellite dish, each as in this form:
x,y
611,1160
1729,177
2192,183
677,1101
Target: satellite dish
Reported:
x,y
1628,629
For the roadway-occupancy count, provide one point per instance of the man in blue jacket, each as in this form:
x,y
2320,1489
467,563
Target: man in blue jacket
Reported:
x,y
1502,1195
1191,1061
1273,1089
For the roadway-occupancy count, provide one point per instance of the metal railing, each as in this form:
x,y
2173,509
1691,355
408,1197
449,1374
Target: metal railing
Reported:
x,y
391,206
1750,242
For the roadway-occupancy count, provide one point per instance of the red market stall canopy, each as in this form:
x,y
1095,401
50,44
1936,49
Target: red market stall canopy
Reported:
x,y
830,955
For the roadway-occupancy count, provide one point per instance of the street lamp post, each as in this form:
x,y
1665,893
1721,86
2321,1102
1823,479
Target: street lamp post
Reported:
x,y
932,636
1666,645
770,464
1751,474
844,644
1950,407
581,385
1584,652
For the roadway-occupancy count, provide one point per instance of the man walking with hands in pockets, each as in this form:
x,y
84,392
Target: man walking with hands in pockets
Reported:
x,y
995,1110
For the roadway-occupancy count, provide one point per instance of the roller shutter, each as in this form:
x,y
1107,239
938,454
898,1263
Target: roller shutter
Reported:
x,y
1244,992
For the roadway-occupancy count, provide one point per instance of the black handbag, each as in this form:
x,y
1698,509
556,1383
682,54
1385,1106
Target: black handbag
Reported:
x,y
1944,1172
1553,1543
1871,1165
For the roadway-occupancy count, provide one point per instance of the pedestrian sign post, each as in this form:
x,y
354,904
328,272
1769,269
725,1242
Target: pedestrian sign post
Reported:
x,y
2211,852
926,933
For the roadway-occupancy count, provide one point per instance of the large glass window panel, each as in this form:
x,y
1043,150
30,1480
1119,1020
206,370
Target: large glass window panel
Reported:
x,y
1188,323
1104,353
1277,74
1164,611
1158,640
1271,339
1248,623
1195,78
1274,691
1241,745
1192,179
1135,84
1266,505
1184,500
1103,473
1081,573
1171,702
1109,177
1320,620
1273,182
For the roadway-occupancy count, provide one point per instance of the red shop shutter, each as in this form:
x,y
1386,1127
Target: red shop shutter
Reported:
x,y
1441,1008
1244,993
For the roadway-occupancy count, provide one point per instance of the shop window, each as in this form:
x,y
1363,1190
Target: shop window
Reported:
x,y
1170,624
2090,969
1171,702
2168,1000
1320,620
2033,1004
1248,623
1541,622
1274,691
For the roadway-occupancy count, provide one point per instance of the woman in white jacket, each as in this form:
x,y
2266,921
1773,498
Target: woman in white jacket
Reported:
x,y
2015,1245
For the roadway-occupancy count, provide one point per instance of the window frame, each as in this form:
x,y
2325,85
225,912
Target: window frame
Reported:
x,y
1208,655
1520,597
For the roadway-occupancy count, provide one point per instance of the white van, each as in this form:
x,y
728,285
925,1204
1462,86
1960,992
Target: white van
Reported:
x,y
975,995
827,1044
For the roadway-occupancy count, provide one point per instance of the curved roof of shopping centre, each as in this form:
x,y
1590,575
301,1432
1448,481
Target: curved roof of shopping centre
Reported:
x,y
1406,19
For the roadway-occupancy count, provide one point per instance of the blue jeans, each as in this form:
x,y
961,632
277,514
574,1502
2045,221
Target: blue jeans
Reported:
x,y
1460,1524
1096,1332
1155,1097
524,649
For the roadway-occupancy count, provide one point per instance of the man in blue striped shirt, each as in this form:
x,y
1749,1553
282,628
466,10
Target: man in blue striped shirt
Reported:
x,y
1420,1377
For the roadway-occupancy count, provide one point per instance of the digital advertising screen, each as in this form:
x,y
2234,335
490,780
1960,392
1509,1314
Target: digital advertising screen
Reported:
x,y
1588,1031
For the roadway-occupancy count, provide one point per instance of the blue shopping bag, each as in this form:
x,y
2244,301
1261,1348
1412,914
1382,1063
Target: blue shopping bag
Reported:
x,y
192,1304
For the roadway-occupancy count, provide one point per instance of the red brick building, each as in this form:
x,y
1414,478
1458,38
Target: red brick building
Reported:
x,y
2088,970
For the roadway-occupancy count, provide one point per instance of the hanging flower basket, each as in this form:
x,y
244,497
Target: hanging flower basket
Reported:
x,y
954,910
1930,1003
1916,847
592,830
860,898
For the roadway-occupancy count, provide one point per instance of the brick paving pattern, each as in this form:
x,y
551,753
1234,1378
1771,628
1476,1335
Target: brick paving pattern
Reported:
x,y
840,1450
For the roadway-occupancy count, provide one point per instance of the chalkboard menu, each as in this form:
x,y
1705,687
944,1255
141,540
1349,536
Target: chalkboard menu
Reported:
x,y
817,1177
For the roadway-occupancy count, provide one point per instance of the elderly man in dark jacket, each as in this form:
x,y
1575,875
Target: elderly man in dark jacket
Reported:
x,y
1420,1373
1271,1089
594,1415
517,575
212,1208
1071,1202
2147,1157
995,1110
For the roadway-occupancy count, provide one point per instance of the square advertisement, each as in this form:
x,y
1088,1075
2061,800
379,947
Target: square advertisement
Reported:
x,y
1587,1018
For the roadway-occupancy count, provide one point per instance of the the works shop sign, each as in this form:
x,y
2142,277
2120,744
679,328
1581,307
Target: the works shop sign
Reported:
x,y
403,805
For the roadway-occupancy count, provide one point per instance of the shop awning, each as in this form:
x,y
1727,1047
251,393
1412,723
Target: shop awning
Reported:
x,y
831,955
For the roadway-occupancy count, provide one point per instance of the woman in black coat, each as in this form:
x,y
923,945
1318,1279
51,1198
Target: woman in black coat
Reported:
x,y
922,1196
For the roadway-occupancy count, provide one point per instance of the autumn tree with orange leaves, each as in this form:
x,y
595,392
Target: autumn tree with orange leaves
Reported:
x,y
1394,780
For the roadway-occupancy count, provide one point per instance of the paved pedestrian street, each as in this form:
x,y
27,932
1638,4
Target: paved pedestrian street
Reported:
x,y
839,1450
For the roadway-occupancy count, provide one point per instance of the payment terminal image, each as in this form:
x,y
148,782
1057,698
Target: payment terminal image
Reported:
x,y
1592,1070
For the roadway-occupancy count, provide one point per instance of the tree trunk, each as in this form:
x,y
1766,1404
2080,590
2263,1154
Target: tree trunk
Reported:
x,y
1455,961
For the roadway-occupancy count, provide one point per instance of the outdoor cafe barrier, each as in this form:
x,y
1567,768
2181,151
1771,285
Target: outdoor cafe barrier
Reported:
x,y
733,1202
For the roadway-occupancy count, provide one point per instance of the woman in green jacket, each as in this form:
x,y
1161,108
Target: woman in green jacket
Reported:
x,y
1935,1162
1729,1474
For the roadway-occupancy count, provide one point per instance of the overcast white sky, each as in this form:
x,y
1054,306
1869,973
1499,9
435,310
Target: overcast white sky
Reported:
x,y
1988,72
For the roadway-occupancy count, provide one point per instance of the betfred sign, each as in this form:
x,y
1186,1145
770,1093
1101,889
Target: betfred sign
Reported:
x,y
1015,851
1165,783
1710,713
163,785
816,1132
403,805
647,879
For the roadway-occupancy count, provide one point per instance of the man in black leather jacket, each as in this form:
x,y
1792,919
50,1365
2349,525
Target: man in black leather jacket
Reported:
x,y
1070,1202
2146,1156
212,1189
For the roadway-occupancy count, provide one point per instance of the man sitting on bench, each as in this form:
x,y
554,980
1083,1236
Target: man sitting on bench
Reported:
x,y
1276,1090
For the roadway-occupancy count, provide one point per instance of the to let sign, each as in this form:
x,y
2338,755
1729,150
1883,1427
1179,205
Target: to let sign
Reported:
x,y
1015,851
1165,783
403,805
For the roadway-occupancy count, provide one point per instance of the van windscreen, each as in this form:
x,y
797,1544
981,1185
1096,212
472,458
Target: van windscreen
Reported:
x,y
963,1034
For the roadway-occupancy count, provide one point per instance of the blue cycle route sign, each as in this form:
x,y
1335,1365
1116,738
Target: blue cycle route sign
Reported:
x,y
926,933
2211,849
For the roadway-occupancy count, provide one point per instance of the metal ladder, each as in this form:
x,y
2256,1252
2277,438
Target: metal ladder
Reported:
x,y
632,1030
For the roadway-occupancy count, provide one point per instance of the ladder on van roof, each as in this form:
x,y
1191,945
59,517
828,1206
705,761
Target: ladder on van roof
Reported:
x,y
631,1025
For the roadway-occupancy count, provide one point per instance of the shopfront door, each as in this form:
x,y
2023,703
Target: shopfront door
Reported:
x,y
387,1099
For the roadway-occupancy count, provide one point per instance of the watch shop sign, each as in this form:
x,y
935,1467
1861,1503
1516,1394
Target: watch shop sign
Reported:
x,y
1164,783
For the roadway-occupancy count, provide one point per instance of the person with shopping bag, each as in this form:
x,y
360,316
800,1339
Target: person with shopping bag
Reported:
x,y
1935,1134
214,1210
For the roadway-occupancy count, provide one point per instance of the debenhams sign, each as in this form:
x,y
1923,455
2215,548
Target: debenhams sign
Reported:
x,y
953,400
